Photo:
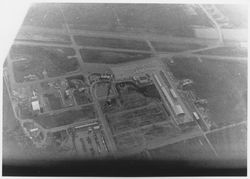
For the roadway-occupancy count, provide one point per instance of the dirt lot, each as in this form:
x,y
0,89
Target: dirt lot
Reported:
x,y
111,57
222,83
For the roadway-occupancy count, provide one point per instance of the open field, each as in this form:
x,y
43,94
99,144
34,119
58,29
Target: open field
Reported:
x,y
111,57
160,131
54,101
66,117
81,90
43,37
236,13
111,42
102,89
128,141
171,19
218,82
83,97
10,146
16,147
37,60
135,18
44,15
89,16
191,151
131,96
225,51
18,52
174,47
76,81
136,118
231,145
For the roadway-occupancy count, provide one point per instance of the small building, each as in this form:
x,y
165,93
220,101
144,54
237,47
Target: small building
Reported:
x,y
178,110
141,79
187,82
35,105
173,93
158,81
106,76
34,129
196,116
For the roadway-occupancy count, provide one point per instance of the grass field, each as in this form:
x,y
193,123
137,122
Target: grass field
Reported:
x,y
83,97
54,101
19,51
236,13
136,118
56,61
111,57
231,145
174,47
66,118
102,89
89,16
222,83
158,18
225,51
44,15
43,37
191,151
128,141
111,42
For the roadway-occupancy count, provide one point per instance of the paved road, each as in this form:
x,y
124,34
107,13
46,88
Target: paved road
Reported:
x,y
103,121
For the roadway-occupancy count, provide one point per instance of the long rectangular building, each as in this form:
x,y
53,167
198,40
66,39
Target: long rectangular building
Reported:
x,y
175,105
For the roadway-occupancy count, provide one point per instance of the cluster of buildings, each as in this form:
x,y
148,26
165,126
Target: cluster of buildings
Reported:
x,y
181,114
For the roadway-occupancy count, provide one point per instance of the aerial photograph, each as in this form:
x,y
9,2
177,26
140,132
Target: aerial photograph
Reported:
x,y
106,89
